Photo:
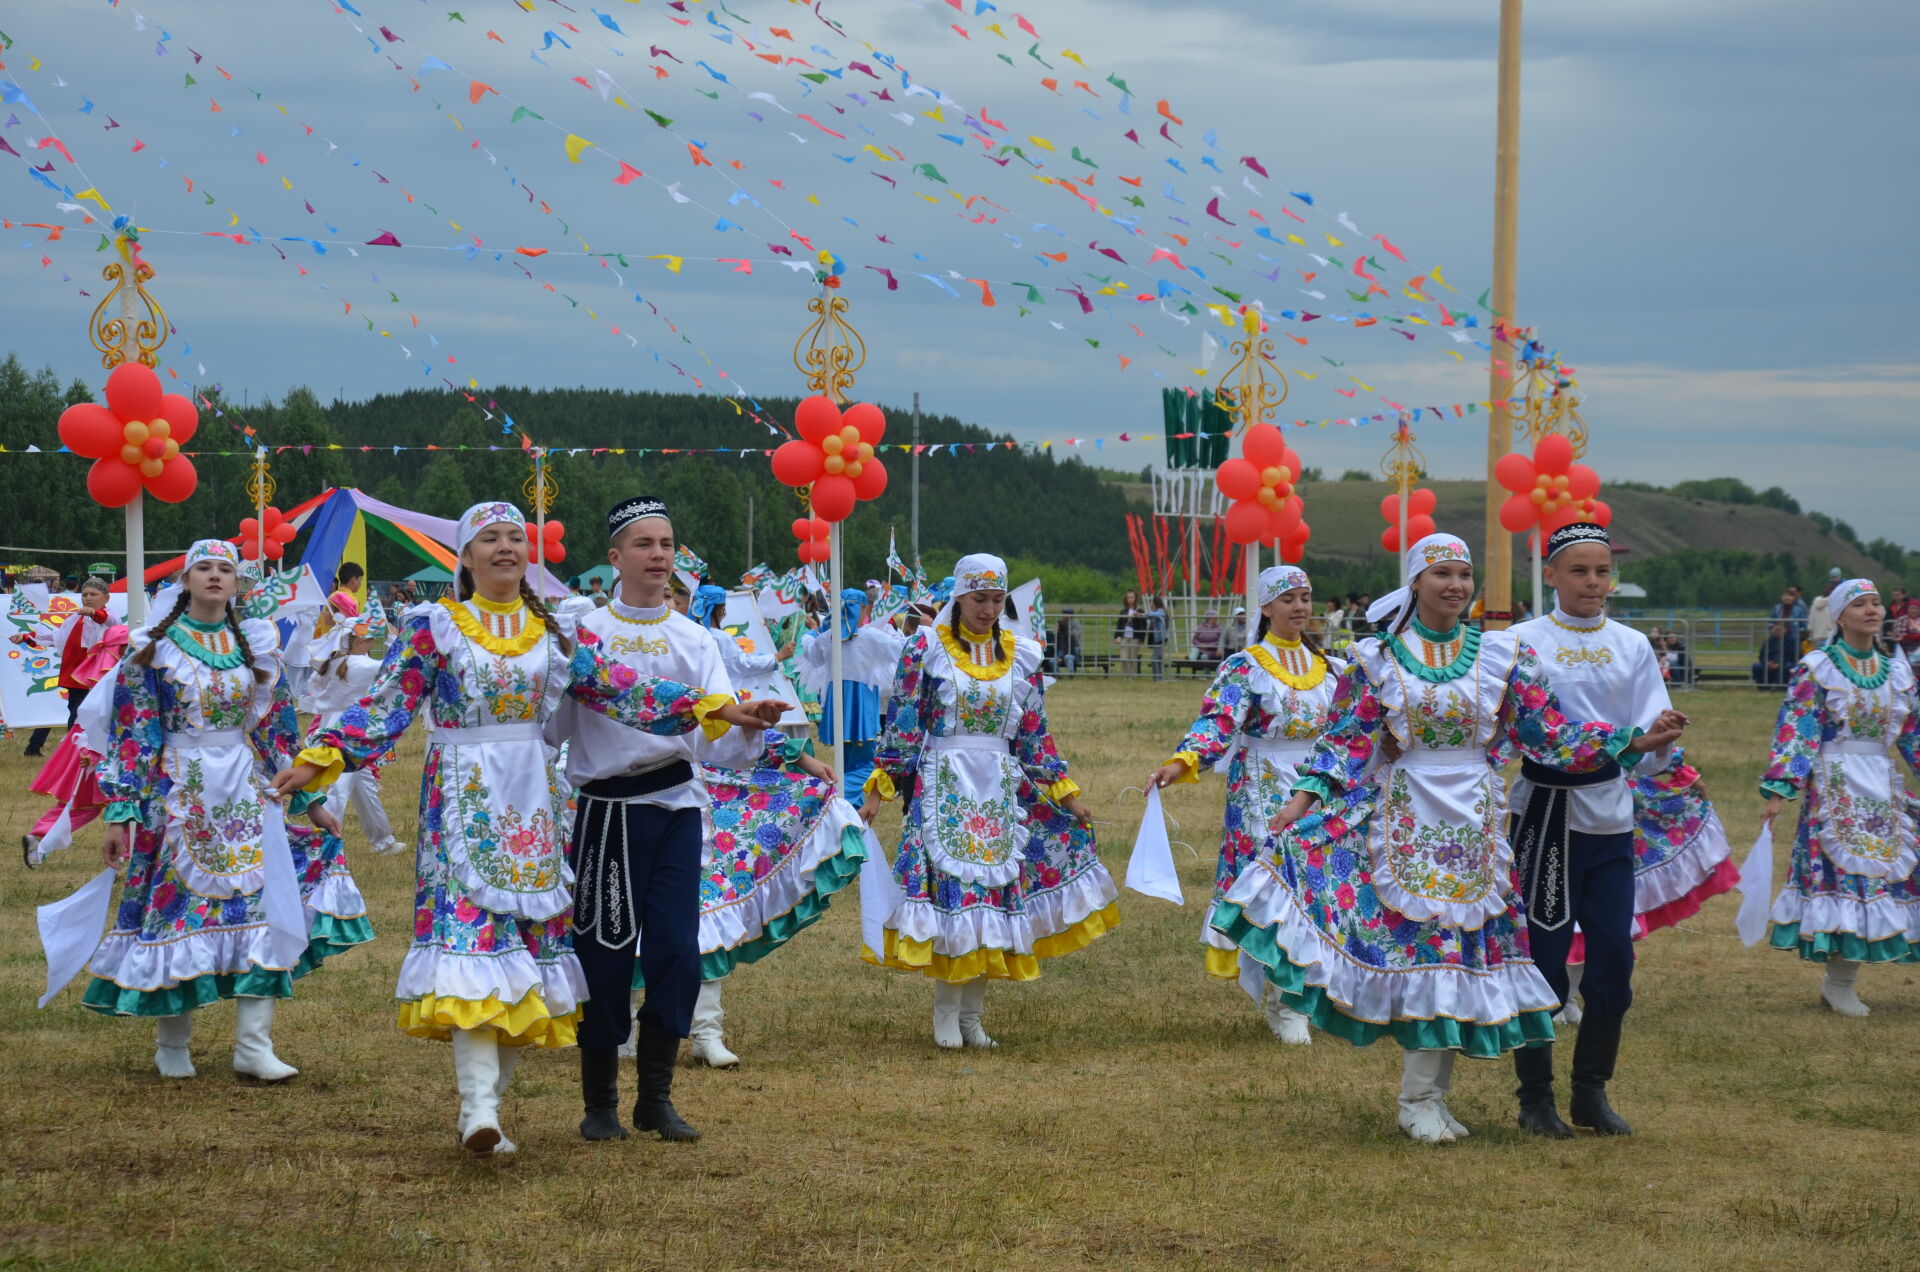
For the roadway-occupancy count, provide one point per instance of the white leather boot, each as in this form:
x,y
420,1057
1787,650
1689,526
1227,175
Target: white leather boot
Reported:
x,y
946,1015
1570,1013
1836,991
973,1000
631,1047
509,1057
709,1045
1288,1025
170,1056
1445,1081
253,1044
1422,1108
476,1072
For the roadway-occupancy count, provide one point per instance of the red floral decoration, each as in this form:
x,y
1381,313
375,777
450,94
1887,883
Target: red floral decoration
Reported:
x,y
134,440
1420,506
812,532
834,454
279,534
1260,482
1549,490
547,550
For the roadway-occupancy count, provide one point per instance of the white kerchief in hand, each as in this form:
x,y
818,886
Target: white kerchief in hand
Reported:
x,y
70,930
880,894
1150,869
286,913
1756,888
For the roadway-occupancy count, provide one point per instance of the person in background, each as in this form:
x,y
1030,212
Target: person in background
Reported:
x,y
1903,625
1791,612
85,632
1777,658
1067,636
1128,631
1819,616
1159,631
1237,629
598,594
1335,622
1208,636
1522,610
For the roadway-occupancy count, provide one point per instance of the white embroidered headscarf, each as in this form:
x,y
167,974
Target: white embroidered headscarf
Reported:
x,y
979,572
1431,550
1276,580
472,522
1845,594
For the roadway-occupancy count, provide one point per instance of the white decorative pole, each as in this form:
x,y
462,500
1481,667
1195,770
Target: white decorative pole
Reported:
x,y
136,508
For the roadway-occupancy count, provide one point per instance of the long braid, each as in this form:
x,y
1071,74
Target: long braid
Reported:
x,y
539,610
158,633
260,674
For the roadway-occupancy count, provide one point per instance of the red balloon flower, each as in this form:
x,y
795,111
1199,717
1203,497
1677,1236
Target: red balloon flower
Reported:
x,y
1260,482
1549,490
134,440
279,534
835,455
546,548
1420,505
812,532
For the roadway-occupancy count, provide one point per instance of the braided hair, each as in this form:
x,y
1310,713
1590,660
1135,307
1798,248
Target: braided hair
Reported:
x,y
158,632
1306,637
260,674
539,610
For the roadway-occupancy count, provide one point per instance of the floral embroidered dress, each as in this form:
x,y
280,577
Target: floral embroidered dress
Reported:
x,y
1852,890
193,741
1265,707
996,876
1391,908
492,931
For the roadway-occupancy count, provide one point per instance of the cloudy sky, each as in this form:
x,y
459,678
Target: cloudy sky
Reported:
x,y
1712,200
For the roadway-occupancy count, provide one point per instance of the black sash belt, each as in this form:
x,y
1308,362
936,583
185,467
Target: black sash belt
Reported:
x,y
1541,846
603,902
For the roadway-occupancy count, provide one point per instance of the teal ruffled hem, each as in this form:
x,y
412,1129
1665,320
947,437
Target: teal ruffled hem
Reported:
x,y
1486,1042
1315,785
1820,946
1783,789
122,810
202,991
301,801
330,936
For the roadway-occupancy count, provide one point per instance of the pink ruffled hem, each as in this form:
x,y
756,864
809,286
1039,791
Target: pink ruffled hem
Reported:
x,y
1725,877
68,775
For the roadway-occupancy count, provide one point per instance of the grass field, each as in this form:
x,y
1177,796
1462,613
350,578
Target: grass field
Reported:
x,y
1135,1115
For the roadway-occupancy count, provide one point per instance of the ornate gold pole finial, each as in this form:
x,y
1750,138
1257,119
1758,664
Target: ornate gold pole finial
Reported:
x,y
1402,465
1246,392
260,488
130,332
1551,396
540,489
830,351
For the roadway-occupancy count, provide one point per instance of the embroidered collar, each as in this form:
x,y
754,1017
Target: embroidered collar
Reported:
x,y
1848,662
1461,663
645,615
210,643
966,657
1568,623
531,628
1289,662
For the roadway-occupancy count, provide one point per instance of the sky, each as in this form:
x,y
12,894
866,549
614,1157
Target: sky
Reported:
x,y
1711,199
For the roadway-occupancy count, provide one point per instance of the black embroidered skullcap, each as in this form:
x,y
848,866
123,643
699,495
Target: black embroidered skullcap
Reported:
x,y
630,510
1579,532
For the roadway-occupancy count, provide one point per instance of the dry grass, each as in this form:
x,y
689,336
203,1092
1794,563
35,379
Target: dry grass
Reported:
x,y
1135,1115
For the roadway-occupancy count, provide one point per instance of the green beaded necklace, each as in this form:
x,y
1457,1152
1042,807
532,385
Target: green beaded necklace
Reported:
x,y
1414,664
181,634
1844,661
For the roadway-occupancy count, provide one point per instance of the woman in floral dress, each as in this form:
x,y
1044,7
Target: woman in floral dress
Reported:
x,y
223,899
492,967
1849,721
997,859
1265,707
1390,910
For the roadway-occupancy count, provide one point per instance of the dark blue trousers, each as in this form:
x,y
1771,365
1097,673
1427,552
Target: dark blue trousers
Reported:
x,y
1600,876
638,868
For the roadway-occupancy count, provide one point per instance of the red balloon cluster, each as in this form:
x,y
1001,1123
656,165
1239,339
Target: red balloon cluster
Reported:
x,y
1260,482
834,455
1549,490
546,547
279,534
1420,505
812,532
134,440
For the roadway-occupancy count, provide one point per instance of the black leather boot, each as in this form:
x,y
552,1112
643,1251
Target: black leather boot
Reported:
x,y
1534,1067
1593,1059
654,1111
600,1092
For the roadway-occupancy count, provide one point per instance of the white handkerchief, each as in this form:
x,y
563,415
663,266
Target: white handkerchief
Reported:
x,y
286,914
59,835
1150,869
1756,888
70,930
880,894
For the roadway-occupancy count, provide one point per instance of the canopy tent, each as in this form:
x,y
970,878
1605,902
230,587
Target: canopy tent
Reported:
x,y
602,572
431,574
1631,591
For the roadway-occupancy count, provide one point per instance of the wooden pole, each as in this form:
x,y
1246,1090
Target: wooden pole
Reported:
x,y
1506,216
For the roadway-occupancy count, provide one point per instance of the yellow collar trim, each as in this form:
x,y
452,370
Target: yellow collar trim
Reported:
x,y
1277,643
531,631
1290,672
962,657
498,607
977,638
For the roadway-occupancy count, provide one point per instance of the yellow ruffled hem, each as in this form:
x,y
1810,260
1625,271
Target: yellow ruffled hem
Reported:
x,y
704,709
918,956
1223,964
328,760
1064,789
880,787
524,1024
1192,761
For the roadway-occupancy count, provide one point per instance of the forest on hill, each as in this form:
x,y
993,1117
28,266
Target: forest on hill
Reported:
x,y
1701,543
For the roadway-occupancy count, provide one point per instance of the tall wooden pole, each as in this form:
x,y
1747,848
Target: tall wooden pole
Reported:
x,y
1506,217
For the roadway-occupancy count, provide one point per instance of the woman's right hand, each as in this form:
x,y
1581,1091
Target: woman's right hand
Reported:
x,y
289,780
1290,812
869,809
113,850
1166,775
1773,809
